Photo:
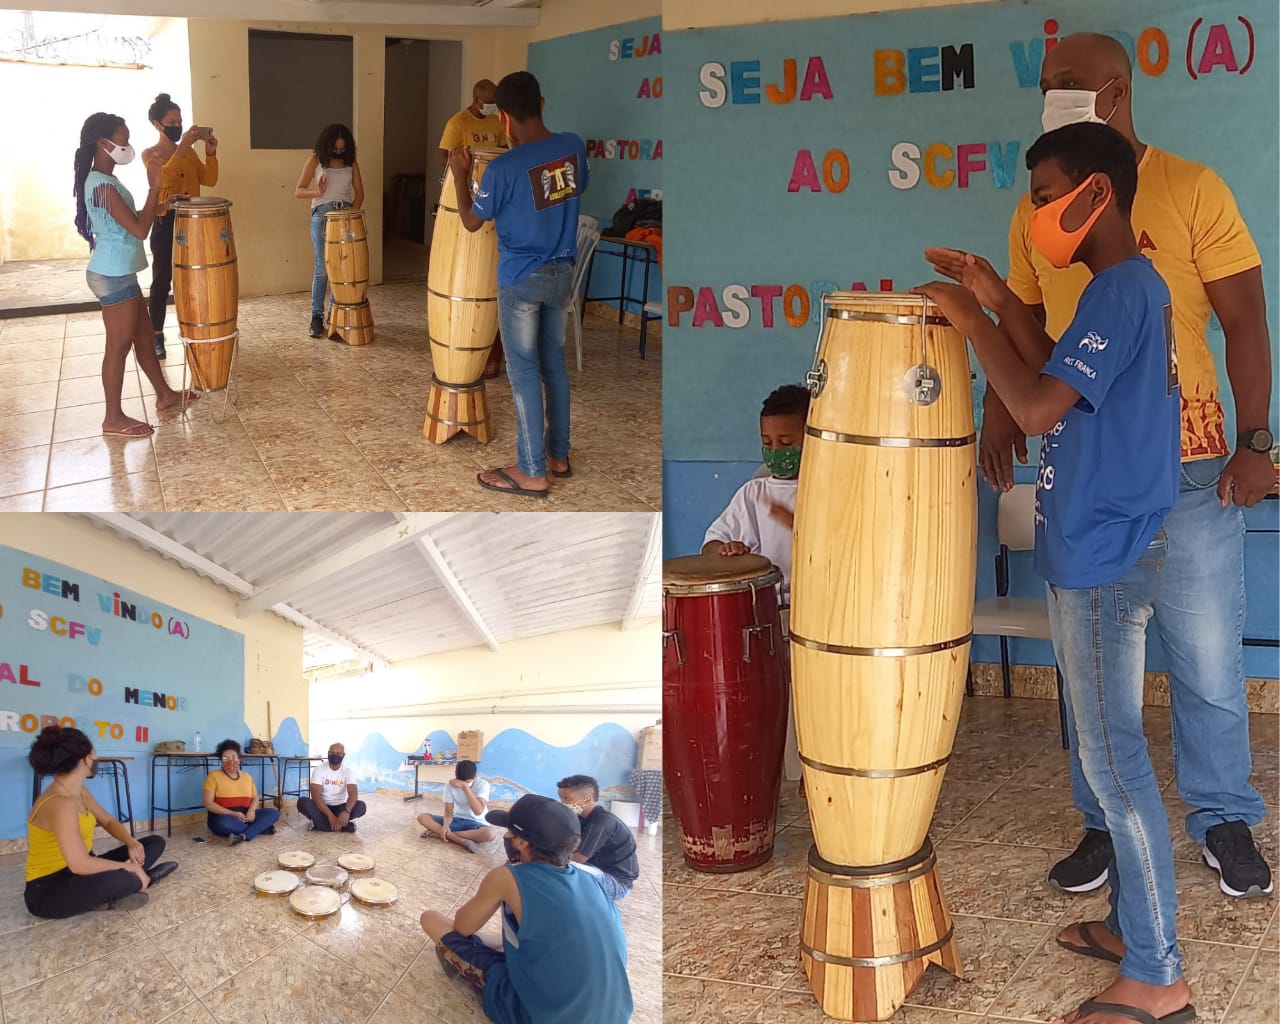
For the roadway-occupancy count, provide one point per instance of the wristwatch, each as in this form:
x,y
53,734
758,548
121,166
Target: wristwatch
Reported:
x,y
1259,441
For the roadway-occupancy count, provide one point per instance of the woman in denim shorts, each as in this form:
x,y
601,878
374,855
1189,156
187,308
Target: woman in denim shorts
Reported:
x,y
110,222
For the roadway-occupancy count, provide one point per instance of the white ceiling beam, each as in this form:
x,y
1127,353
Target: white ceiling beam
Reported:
x,y
184,556
454,588
404,530
652,552
495,15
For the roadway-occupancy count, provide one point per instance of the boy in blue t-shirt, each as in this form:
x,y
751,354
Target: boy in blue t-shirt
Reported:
x,y
531,194
1105,398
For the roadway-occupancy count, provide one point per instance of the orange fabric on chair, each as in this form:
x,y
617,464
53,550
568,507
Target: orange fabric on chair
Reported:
x,y
651,235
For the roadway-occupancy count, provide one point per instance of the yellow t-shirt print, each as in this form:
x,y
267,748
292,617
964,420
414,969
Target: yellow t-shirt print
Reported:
x,y
1186,222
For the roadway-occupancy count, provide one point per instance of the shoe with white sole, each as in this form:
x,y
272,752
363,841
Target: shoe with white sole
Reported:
x,y
1230,850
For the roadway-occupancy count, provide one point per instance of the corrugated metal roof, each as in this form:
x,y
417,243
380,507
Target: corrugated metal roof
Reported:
x,y
526,574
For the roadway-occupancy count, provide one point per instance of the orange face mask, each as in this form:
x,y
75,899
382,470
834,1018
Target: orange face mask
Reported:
x,y
1047,234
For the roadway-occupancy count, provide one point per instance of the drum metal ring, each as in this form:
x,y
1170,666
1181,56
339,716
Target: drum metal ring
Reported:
x,y
879,652
887,318
691,589
876,773
458,348
877,961
204,266
462,298
890,442
873,878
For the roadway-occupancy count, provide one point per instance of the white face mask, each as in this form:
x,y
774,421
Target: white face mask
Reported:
x,y
120,154
1072,106
488,109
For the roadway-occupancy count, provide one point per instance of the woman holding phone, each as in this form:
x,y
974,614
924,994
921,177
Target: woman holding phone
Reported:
x,y
182,174
331,180
109,220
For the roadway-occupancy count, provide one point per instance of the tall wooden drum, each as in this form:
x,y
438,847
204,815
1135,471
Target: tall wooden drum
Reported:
x,y
206,289
462,315
881,620
346,263
724,698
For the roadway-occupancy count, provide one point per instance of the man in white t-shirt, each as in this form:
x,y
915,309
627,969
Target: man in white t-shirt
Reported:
x,y
335,798
759,517
466,799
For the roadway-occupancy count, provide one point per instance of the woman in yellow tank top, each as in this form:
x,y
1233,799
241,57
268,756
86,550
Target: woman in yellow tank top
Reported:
x,y
64,877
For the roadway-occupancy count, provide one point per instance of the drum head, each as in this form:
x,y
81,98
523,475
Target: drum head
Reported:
x,y
296,860
276,883
374,892
714,574
356,862
875,305
203,203
327,874
315,901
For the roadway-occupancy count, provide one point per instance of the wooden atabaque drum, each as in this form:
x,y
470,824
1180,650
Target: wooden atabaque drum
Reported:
x,y
346,263
724,699
206,288
881,619
462,314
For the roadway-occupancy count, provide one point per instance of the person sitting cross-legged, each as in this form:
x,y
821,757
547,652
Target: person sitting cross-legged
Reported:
x,y
231,798
335,797
608,849
470,794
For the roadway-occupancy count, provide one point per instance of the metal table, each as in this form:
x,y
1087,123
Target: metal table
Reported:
x,y
303,765
116,769
420,762
643,253
210,761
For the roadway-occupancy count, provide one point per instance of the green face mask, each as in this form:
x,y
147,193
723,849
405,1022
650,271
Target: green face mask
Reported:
x,y
782,462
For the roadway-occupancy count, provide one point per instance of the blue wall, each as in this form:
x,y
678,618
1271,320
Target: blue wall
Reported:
x,y
763,118
601,85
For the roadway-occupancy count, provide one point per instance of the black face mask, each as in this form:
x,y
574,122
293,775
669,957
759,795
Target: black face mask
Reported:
x,y
94,770
338,154
173,131
335,760
513,855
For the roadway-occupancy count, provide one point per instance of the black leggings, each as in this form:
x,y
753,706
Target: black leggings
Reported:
x,y
161,268
65,894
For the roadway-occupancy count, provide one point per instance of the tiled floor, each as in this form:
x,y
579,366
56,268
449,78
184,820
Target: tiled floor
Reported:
x,y
27,283
316,425
1004,818
205,948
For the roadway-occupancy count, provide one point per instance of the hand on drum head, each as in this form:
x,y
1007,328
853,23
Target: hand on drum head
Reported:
x,y
460,162
974,273
734,547
957,303
1001,439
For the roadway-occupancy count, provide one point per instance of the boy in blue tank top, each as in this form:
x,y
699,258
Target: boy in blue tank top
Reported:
x,y
1105,397
552,915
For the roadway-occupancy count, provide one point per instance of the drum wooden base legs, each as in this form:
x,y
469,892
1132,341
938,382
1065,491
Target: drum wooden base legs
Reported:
x,y
455,408
868,934
352,324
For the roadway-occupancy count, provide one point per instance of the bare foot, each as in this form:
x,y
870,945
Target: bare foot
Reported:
x,y
1092,938
174,398
126,426
503,480
1158,1000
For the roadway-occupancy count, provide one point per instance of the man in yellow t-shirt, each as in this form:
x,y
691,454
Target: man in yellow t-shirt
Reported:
x,y
1187,224
476,125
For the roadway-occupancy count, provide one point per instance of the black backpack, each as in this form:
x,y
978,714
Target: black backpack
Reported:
x,y
643,213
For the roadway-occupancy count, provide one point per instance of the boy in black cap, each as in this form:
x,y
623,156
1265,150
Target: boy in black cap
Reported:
x,y
552,914
608,849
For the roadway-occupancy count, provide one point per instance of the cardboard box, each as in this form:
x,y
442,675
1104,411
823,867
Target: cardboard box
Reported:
x,y
649,754
470,745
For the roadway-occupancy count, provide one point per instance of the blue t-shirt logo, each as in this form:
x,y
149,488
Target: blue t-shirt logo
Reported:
x,y
555,182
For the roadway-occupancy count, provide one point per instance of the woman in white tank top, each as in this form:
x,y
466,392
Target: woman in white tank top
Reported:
x,y
331,180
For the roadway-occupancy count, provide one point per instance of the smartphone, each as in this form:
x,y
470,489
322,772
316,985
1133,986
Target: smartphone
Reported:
x,y
203,133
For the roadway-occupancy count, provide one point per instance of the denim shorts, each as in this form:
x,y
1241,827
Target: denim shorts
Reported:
x,y
111,291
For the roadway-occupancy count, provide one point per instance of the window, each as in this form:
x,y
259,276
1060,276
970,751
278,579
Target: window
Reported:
x,y
297,85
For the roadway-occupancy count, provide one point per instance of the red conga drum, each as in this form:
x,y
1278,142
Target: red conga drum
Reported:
x,y
724,701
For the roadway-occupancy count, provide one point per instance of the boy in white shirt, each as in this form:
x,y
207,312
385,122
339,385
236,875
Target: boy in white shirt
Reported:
x,y
469,794
759,517
335,798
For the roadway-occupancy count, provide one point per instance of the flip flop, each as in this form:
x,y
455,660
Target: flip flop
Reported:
x,y
1092,947
515,488
1187,1013
134,430
568,470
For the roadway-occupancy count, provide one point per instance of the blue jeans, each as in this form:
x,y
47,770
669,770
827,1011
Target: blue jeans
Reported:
x,y
613,888
531,317
225,825
1199,613
1099,637
320,276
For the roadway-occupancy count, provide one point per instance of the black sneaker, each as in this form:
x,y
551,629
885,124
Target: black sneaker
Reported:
x,y
349,827
317,327
162,870
1230,850
1086,868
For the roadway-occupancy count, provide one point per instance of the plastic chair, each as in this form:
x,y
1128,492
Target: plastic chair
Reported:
x,y
588,236
1006,616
